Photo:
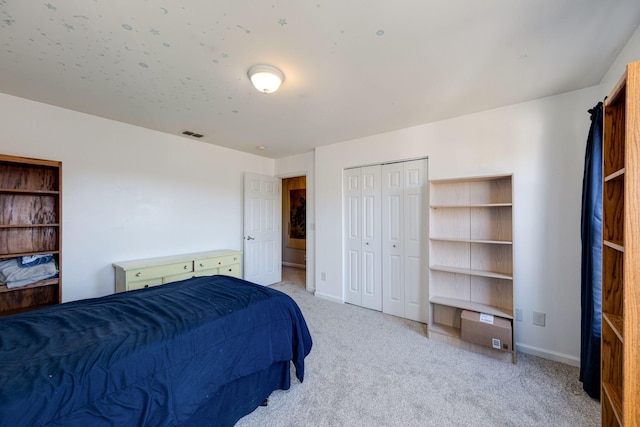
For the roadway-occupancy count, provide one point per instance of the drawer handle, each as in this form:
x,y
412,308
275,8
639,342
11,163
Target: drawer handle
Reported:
x,y
138,274
231,269
146,286
219,262
185,267
201,265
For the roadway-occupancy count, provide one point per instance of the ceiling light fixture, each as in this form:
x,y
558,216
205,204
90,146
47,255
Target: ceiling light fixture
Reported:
x,y
265,78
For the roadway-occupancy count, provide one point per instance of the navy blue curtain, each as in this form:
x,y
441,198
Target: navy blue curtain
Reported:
x,y
591,231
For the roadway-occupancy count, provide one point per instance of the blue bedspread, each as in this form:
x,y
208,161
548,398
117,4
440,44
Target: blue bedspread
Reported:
x,y
149,357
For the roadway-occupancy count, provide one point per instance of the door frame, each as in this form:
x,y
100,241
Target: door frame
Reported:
x,y
310,228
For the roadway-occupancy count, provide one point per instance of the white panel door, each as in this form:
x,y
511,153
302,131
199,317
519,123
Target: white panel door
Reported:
x,y
415,231
404,228
262,237
352,236
371,239
362,241
393,289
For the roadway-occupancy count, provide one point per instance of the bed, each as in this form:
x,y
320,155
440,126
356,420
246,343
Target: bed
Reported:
x,y
203,351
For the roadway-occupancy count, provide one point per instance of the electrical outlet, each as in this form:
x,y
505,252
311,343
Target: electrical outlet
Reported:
x,y
323,276
539,318
519,314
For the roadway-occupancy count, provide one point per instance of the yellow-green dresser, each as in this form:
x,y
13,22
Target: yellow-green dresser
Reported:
x,y
143,273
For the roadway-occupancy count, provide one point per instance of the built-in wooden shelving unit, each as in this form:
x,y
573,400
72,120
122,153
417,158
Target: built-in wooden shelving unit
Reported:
x,y
620,374
30,224
471,256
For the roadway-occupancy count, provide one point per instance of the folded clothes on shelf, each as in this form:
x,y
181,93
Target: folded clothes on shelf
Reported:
x,y
31,260
14,275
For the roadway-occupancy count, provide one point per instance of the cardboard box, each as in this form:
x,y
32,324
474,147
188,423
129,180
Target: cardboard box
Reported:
x,y
486,330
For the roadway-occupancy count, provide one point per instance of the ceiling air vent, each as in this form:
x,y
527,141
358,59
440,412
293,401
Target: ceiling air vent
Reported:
x,y
193,134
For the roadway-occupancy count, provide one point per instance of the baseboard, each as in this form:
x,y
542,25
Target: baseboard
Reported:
x,y
328,297
550,355
292,264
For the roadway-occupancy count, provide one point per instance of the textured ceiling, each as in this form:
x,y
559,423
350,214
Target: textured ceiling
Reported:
x,y
352,68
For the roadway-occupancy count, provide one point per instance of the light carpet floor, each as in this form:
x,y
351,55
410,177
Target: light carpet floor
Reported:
x,y
371,369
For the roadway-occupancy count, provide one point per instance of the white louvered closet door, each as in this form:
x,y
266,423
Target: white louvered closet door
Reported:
x,y
362,230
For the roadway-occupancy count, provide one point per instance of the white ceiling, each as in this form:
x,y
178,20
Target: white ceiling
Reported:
x,y
353,67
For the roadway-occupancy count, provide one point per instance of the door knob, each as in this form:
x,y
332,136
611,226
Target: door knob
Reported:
x,y
251,238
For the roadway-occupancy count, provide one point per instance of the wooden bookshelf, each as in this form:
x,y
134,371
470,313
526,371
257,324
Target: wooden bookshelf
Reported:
x,y
620,396
30,224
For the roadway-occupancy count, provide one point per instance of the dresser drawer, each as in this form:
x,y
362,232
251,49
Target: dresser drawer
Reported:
x,y
209,263
210,272
159,271
177,277
144,283
231,270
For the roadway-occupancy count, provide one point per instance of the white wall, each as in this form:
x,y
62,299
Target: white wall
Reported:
x,y
129,192
630,53
300,165
542,142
